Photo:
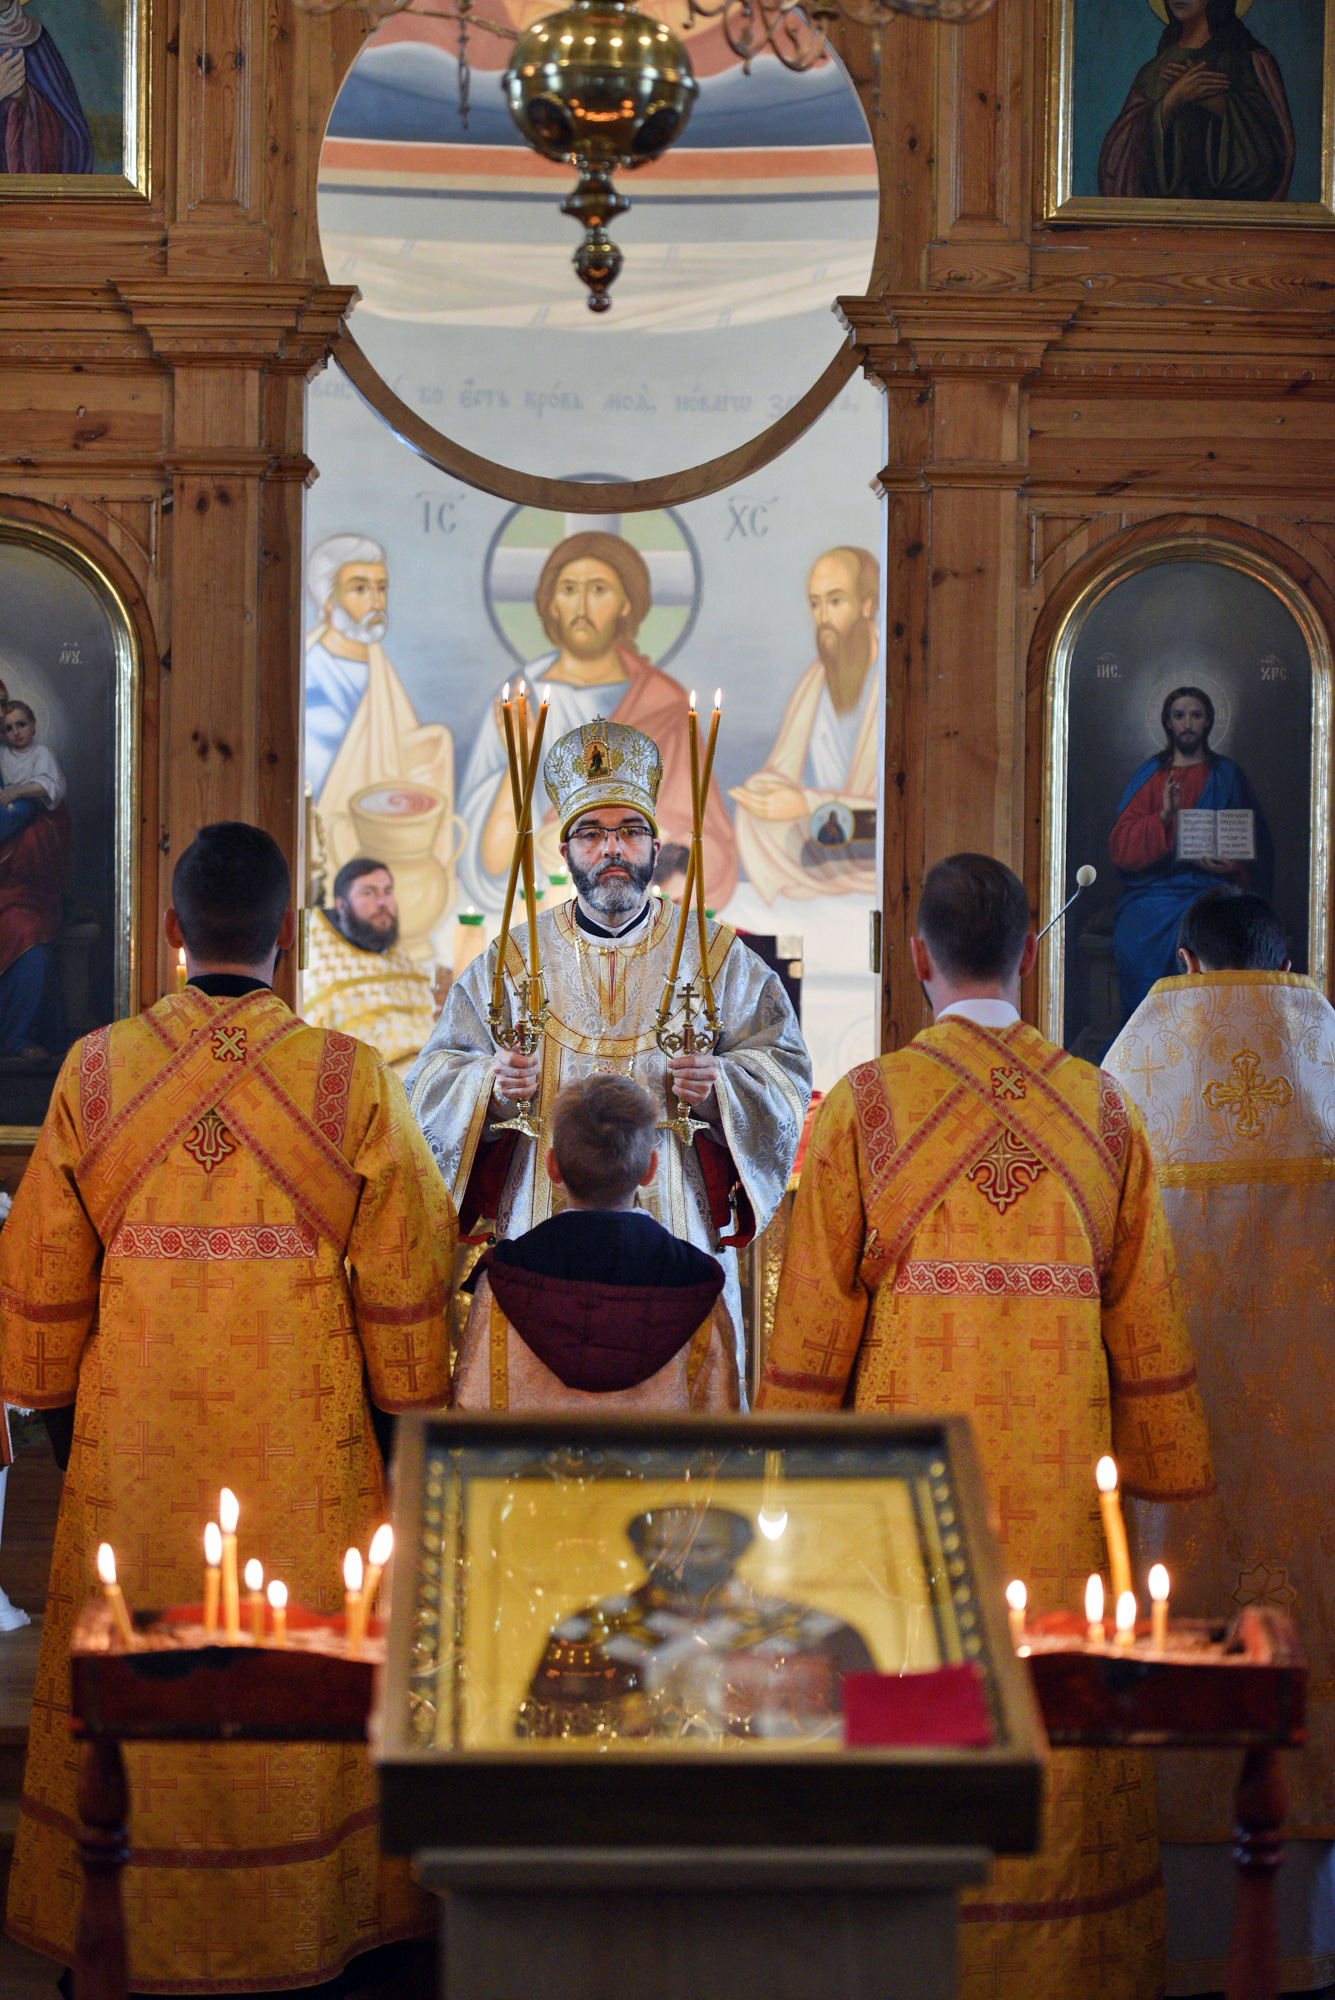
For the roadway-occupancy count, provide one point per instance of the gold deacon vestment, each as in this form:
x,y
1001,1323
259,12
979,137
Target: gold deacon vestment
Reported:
x,y
382,997
273,1226
1234,1075
604,1001
978,1229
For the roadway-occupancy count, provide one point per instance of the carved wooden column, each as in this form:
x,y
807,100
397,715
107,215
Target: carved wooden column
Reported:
x,y
955,369
239,361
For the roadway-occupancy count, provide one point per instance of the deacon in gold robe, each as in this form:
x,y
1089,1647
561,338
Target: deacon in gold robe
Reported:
x,y
1233,1070
978,1229
358,977
605,957
229,1227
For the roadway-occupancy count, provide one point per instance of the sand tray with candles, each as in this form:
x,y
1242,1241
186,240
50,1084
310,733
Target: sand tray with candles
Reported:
x,y
178,1680
1211,1683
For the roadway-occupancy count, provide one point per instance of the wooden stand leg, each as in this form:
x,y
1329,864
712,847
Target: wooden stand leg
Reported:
x,y
1258,1849
99,1961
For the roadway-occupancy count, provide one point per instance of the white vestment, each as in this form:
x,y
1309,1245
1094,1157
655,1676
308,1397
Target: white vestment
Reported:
x,y
1234,1075
604,1000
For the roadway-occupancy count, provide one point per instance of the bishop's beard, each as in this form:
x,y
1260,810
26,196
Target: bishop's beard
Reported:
x,y
619,898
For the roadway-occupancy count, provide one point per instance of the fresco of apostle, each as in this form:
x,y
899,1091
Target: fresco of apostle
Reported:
x,y
593,595
1207,118
823,766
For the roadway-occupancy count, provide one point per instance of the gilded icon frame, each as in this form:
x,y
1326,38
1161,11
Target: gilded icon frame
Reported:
x,y
1054,889
1060,204
126,766
135,177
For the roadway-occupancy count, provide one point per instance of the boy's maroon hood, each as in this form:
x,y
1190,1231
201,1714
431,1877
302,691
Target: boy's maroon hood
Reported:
x,y
600,1337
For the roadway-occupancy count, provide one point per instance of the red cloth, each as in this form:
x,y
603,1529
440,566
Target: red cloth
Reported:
x,y
946,1705
1139,838
32,874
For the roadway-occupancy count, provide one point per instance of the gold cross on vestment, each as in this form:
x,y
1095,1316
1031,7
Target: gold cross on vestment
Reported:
x,y
229,1045
1007,1083
1246,1092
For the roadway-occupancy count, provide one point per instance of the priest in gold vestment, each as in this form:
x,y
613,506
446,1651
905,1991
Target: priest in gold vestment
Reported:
x,y
978,1229
605,957
229,1219
1232,1068
358,977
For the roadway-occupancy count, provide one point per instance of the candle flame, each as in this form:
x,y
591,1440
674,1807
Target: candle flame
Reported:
x,y
106,1563
254,1574
278,1595
213,1545
1159,1584
229,1511
1105,1472
691,703
1126,1612
352,1570
382,1545
1016,1595
718,700
505,693
522,692
1094,1600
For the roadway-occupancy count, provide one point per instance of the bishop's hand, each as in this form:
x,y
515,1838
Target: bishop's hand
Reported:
x,y
514,1077
694,1075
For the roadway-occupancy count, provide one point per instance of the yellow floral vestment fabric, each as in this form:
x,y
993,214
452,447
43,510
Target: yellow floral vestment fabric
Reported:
x,y
978,1229
382,997
1234,1075
227,1217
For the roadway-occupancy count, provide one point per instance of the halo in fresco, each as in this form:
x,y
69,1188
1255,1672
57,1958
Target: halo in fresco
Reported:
x,y
526,536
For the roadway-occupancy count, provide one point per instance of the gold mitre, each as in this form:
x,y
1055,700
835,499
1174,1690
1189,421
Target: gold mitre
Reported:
x,y
603,764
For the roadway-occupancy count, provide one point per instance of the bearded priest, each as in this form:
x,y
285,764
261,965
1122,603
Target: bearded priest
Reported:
x,y
605,958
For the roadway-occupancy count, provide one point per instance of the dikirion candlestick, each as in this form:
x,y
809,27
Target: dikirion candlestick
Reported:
x,y
255,1598
212,1575
1158,1607
106,1569
278,1612
1114,1528
229,1513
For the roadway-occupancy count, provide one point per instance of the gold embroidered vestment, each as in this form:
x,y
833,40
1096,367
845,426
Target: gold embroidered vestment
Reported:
x,y
978,1229
227,1217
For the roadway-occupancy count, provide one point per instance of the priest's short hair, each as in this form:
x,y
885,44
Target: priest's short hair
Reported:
x,y
1231,930
230,891
973,916
604,1129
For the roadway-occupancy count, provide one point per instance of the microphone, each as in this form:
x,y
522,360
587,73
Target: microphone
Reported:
x,y
1083,876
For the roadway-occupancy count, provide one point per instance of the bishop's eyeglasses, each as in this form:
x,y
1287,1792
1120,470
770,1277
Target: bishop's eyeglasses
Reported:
x,y
632,833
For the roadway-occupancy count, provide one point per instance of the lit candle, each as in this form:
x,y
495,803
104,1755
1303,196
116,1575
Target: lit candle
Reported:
x,y
1159,1607
278,1607
382,1548
1126,1619
1114,1528
1094,1611
180,970
1017,1597
212,1564
106,1569
255,1598
228,1514
354,1604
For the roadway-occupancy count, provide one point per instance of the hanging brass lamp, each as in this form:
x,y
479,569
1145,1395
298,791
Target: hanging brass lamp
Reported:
x,y
597,87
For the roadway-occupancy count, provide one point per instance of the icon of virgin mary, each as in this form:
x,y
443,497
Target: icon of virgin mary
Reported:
x,y
1207,118
43,129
